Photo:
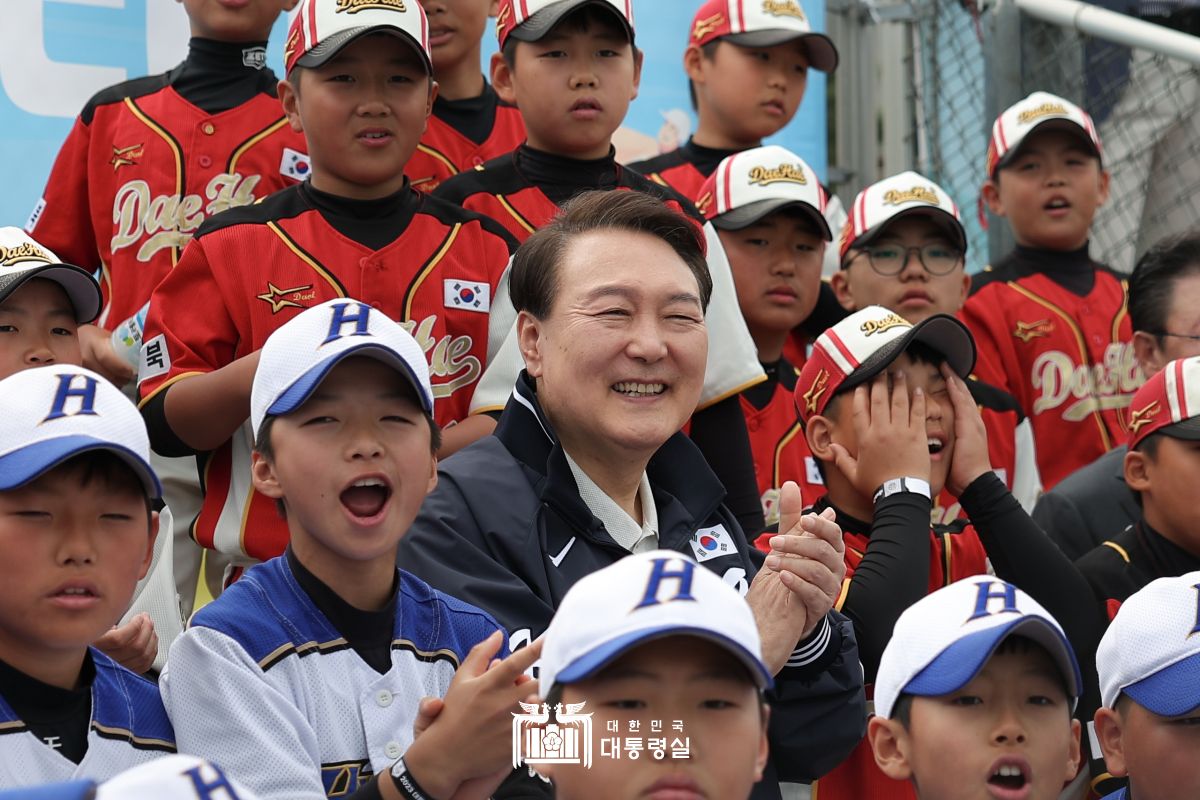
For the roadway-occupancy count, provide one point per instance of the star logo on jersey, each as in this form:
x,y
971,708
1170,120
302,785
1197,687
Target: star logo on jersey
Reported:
x,y
280,299
704,27
813,395
126,156
1028,331
1142,417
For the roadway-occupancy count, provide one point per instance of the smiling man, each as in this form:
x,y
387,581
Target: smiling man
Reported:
x,y
587,466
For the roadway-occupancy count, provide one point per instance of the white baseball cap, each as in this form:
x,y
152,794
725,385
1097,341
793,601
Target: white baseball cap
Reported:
x,y
942,641
762,24
172,777
863,344
1040,109
747,186
56,412
22,259
301,352
1151,650
319,29
903,195
530,20
642,597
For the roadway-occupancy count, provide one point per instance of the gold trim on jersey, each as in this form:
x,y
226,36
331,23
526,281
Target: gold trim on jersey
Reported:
x,y
1116,327
303,255
1121,551
1079,340
443,654
15,726
231,167
784,441
841,598
524,223
429,151
176,150
654,176
279,653
731,392
411,294
139,742
947,560
165,384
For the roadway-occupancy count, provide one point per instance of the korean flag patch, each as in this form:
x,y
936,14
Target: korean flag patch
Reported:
x,y
467,295
294,164
712,543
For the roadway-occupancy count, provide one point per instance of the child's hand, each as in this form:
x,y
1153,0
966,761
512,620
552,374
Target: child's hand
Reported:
x,y
892,442
132,645
95,345
970,457
465,745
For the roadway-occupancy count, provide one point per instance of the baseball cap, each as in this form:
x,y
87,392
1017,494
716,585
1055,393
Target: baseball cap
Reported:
x,y
747,186
301,352
942,641
1038,110
22,259
166,778
643,597
319,29
763,24
1168,403
1150,650
863,344
530,20
56,412
903,195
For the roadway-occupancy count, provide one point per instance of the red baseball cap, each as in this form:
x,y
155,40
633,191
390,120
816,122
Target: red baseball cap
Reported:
x,y
1168,403
863,344
321,28
762,23
530,20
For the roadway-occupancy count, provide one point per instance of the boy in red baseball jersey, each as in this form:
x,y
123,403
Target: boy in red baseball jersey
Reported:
x,y
766,205
571,67
148,160
360,88
1051,324
903,248
470,124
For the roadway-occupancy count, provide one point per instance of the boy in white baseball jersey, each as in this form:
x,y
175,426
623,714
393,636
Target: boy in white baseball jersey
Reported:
x,y
1148,662
974,696
304,679
76,535
661,648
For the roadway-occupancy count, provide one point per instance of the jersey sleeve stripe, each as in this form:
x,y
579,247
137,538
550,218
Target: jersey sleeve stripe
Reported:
x,y
165,384
253,140
413,288
137,742
1121,551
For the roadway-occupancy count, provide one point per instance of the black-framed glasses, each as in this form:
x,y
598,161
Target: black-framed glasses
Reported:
x,y
889,259
1175,335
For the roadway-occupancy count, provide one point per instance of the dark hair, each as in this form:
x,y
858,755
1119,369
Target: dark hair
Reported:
x,y
1153,280
108,469
534,279
709,51
578,21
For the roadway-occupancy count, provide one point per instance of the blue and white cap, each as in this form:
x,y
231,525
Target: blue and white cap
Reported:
x,y
172,777
1151,651
640,598
942,641
298,356
56,412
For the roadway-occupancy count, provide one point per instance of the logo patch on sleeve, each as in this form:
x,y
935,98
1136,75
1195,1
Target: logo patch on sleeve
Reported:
x,y
295,165
155,359
467,295
36,215
712,543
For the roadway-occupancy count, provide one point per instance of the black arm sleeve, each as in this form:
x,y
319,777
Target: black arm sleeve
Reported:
x,y
162,437
893,574
720,433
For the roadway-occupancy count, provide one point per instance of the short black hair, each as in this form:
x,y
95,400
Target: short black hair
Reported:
x,y
580,20
534,279
1152,282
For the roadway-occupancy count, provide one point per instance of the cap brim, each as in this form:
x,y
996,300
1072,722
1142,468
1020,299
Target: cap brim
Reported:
x,y
1171,691
942,332
32,461
599,657
543,21
821,52
81,288
745,216
938,216
959,663
1056,123
302,388
1188,430
332,45
72,790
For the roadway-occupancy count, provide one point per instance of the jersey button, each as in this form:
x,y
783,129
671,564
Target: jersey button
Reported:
x,y
208,128
204,161
393,750
383,698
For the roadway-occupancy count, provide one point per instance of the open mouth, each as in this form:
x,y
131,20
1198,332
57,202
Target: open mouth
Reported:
x,y
366,497
1056,204
374,135
632,389
935,445
1009,778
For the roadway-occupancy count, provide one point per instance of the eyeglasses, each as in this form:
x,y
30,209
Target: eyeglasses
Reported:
x,y
890,259
1175,335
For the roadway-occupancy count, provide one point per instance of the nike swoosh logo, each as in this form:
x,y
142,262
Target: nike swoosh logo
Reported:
x,y
556,560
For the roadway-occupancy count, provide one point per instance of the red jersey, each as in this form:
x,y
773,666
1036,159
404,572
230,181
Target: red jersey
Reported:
x,y
140,170
445,151
684,169
1066,356
257,267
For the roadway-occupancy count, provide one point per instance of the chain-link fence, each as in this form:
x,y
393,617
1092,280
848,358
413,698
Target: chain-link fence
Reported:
x,y
962,66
